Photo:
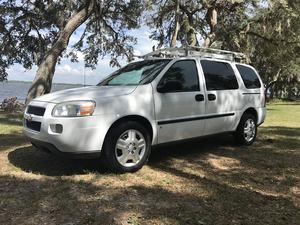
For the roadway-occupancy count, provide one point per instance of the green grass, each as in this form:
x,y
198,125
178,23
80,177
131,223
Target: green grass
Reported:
x,y
284,114
208,181
10,130
10,123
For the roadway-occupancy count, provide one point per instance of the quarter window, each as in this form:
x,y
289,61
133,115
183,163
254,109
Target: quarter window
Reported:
x,y
218,75
184,76
249,77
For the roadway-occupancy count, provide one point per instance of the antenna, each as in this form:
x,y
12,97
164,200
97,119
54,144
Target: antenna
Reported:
x,y
83,75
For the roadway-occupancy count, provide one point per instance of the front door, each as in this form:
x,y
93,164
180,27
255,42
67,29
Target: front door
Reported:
x,y
179,102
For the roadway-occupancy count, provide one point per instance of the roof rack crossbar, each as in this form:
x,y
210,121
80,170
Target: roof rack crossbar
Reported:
x,y
197,52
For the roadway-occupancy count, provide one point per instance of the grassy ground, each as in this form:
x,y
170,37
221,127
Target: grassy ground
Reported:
x,y
210,181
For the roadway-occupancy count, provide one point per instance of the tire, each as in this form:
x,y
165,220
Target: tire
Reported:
x,y
127,147
246,131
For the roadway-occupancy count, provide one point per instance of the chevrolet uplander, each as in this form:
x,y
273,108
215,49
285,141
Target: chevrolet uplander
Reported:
x,y
172,94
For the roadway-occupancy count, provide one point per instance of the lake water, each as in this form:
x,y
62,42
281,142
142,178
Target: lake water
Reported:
x,y
20,89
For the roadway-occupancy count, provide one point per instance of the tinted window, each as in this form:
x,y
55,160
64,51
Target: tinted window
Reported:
x,y
218,75
183,75
249,77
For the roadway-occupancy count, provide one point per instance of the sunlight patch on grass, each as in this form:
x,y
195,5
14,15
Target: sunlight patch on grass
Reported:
x,y
10,129
283,114
223,163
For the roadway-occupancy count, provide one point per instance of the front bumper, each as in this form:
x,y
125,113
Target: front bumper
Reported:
x,y
79,135
50,148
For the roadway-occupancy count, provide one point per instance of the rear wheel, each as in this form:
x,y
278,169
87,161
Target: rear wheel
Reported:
x,y
247,129
127,147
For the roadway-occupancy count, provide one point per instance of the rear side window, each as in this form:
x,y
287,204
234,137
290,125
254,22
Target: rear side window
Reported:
x,y
219,76
249,77
185,74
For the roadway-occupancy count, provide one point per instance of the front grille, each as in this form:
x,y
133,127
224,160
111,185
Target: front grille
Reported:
x,y
33,125
35,110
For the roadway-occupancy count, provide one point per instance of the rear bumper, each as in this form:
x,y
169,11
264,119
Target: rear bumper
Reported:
x,y
50,148
261,115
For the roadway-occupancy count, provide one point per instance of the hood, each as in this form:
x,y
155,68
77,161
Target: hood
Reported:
x,y
86,93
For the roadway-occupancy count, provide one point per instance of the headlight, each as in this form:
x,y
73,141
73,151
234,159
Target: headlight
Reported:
x,y
74,109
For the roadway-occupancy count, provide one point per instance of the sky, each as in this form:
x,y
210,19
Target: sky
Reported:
x,y
73,73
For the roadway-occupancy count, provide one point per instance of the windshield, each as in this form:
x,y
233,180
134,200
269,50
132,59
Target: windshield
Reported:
x,y
141,72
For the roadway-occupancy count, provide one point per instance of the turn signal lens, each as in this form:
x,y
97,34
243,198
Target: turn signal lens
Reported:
x,y
87,110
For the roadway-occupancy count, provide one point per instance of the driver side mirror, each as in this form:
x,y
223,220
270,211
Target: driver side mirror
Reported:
x,y
170,86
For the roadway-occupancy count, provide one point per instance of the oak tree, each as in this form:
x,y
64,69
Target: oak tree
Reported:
x,y
37,32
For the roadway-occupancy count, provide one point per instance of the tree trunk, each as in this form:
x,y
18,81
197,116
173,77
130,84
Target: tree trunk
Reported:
x,y
177,26
191,37
189,31
212,20
42,82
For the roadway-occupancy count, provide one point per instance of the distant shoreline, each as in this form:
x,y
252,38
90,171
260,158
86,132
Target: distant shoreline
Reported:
x,y
20,89
21,81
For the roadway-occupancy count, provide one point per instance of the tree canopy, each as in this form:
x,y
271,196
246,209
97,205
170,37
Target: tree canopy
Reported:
x,y
268,32
37,33
177,20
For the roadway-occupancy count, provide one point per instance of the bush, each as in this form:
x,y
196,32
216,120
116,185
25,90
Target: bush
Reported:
x,y
11,104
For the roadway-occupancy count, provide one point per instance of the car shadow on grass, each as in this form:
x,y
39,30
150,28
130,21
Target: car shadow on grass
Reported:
x,y
31,159
203,201
220,183
275,153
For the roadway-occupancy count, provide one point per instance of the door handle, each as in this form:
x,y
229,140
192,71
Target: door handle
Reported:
x,y
211,97
199,98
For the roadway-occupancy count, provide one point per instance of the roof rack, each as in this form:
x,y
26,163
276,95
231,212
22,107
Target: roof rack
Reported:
x,y
197,52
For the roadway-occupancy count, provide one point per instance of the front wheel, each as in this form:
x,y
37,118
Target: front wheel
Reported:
x,y
127,147
246,132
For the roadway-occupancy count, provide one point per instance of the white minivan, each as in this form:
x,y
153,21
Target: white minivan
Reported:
x,y
173,94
